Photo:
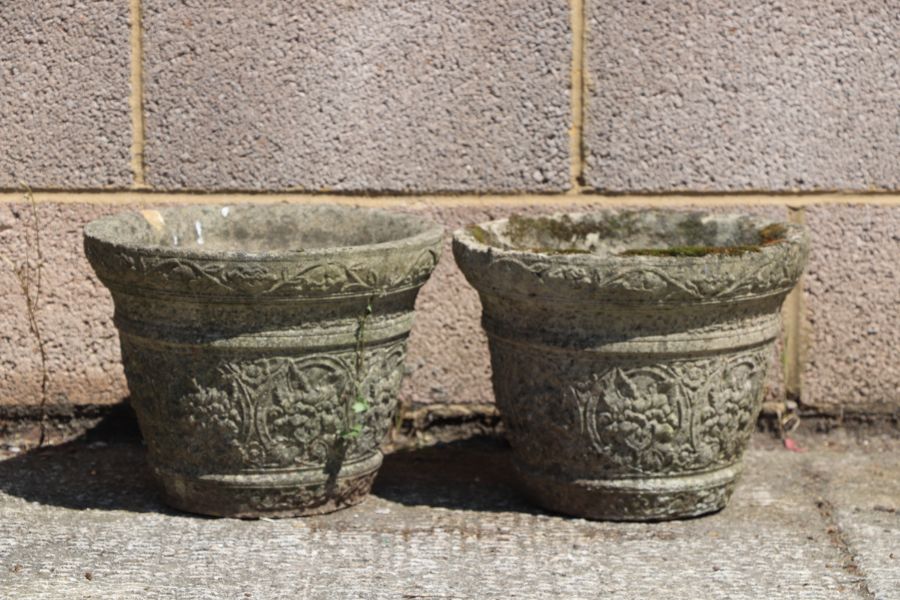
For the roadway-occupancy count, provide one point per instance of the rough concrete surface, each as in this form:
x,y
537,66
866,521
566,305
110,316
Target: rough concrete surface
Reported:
x,y
862,501
64,90
731,95
74,313
387,95
853,308
448,366
84,521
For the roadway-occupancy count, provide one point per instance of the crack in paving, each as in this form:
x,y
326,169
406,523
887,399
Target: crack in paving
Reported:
x,y
836,535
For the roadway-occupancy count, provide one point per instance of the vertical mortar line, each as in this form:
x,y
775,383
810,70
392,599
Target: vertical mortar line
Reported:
x,y
576,142
136,101
794,315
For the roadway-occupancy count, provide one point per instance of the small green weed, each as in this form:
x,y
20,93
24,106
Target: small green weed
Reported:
x,y
359,405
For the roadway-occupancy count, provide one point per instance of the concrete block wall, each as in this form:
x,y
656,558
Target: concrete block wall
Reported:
x,y
464,111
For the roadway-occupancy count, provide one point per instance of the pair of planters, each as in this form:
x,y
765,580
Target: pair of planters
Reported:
x,y
264,348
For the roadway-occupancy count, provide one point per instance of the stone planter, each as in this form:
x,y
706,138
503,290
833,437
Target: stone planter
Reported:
x,y
263,346
630,350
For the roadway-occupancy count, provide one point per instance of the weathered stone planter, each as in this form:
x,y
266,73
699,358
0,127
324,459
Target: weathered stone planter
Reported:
x,y
630,351
263,346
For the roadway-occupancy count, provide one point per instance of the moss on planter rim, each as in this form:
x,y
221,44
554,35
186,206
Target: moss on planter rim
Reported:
x,y
520,229
691,251
559,251
480,234
768,235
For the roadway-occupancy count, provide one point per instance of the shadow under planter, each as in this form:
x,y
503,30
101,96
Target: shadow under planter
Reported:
x,y
473,474
84,475
263,346
105,470
629,351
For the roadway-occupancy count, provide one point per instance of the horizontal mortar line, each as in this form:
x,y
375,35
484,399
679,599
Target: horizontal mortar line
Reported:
x,y
448,200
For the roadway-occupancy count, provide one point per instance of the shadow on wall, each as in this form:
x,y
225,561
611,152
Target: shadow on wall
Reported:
x,y
106,469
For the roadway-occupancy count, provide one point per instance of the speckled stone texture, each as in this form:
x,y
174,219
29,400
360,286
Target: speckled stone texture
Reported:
x,y
731,95
346,95
75,314
64,89
853,309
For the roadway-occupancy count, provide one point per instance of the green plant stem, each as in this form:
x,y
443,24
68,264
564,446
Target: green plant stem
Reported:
x,y
358,404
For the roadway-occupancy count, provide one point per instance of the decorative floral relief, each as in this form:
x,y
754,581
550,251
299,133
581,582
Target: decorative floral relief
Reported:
x,y
259,413
252,501
664,283
635,411
663,505
640,502
311,499
380,382
260,278
654,419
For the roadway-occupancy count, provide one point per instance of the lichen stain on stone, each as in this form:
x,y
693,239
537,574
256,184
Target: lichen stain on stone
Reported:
x,y
155,220
520,229
480,234
772,234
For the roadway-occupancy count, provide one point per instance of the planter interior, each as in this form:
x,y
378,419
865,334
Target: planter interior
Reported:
x,y
267,230
263,346
630,350
644,233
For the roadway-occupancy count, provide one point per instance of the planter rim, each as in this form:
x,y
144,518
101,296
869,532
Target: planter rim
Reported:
x,y
795,235
102,231
586,279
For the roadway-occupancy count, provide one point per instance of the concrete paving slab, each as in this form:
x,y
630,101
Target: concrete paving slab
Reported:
x,y
83,521
861,501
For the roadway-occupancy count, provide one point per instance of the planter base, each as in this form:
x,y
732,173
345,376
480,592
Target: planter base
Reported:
x,y
647,499
276,494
